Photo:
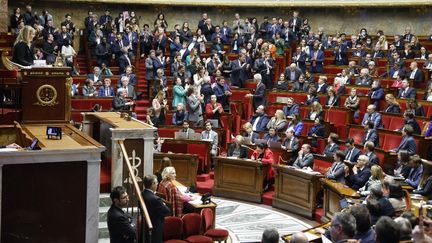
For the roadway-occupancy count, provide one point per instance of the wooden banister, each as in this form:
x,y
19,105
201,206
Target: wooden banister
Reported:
x,y
136,187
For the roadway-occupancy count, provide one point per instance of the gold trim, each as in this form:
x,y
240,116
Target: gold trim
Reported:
x,y
49,100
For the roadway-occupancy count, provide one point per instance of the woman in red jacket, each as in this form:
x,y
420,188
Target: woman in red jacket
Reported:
x,y
265,155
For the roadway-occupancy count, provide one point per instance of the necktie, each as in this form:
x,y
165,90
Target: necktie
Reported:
x,y
290,144
106,91
208,135
349,155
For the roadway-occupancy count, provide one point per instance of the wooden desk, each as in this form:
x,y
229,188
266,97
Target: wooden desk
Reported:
x,y
239,178
186,166
192,147
61,177
333,193
302,200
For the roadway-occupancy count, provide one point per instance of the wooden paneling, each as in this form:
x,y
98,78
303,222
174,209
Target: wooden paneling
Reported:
x,y
186,166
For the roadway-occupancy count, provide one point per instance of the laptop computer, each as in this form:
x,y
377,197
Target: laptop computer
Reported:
x,y
195,136
274,144
180,135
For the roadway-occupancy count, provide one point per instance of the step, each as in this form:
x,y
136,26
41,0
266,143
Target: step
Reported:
x,y
103,213
103,230
203,177
104,200
267,198
104,240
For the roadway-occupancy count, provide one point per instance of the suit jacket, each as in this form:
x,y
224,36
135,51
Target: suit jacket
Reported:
x,y
407,143
294,145
376,95
372,136
323,88
131,91
415,176
407,94
213,137
102,91
297,72
262,123
330,149
188,131
305,160
373,159
334,103
300,60
157,211
364,81
259,95
119,104
193,106
289,111
120,226
377,54
317,65
355,153
123,62
132,79
357,181
375,118
238,74
413,123
392,108
336,172
296,87
341,58
243,151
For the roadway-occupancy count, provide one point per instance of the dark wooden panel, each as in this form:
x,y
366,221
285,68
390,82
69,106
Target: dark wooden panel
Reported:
x,y
44,202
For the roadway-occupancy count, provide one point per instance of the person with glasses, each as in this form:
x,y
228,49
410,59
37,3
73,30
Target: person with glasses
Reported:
x,y
120,224
343,227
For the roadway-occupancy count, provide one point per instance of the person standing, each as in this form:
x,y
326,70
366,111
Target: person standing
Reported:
x,y
156,208
120,224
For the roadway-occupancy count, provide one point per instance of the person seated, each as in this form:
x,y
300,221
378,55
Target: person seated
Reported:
x,y
271,135
128,73
312,96
407,142
265,155
291,142
414,107
166,162
416,171
316,111
364,79
120,102
392,104
360,173
337,170
282,84
410,120
213,109
394,192
301,84
129,89
364,62
95,76
405,229
364,231
377,204
237,149
180,115
278,122
321,86
271,235
425,187
249,133
331,147
373,116
171,193
89,89
22,54
332,100
106,90
376,177
370,134
339,85
291,108
369,151
296,125
376,93
351,153
316,131
106,71
402,168
387,230
406,92
259,120
305,158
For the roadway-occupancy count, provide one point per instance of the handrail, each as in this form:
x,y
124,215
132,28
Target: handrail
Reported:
x,y
135,184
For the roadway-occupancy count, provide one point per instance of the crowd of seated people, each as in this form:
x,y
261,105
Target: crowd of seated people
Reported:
x,y
193,67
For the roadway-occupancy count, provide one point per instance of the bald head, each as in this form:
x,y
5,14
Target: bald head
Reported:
x,y
299,237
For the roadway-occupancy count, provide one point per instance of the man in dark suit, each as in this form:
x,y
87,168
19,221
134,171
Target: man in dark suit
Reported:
x,y
120,103
408,142
156,208
128,73
103,52
305,157
416,74
117,45
317,59
321,86
351,153
340,56
259,120
120,224
371,134
239,71
106,90
291,108
377,53
360,173
376,93
331,147
186,129
299,58
258,98
124,61
291,144
369,151
295,23
406,92
292,73
364,79
410,120
301,85
95,76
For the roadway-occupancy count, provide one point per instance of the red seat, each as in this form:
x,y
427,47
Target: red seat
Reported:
x,y
173,230
391,141
321,165
356,133
396,123
216,234
192,229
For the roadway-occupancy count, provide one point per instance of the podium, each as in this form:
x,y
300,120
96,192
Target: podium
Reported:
x,y
46,95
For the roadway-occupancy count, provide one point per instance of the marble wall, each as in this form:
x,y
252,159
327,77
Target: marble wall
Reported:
x,y
349,20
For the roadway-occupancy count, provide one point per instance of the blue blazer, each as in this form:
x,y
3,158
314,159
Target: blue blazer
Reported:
x,y
319,61
409,94
375,118
372,137
294,109
336,172
102,91
330,150
408,143
359,180
354,155
259,95
317,129
262,123
392,109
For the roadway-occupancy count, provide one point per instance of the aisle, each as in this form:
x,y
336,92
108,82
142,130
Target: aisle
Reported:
x,y
247,221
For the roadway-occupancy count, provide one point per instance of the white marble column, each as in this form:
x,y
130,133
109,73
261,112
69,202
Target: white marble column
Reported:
x,y
116,163
92,215
148,155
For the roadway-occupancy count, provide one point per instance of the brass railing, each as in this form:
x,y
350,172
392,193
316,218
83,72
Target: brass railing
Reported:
x,y
142,209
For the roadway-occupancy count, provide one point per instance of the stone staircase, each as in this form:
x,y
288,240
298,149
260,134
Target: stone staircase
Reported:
x,y
104,205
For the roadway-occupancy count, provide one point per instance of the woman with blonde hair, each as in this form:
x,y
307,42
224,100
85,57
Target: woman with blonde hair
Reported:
x,y
382,42
316,111
377,176
160,106
278,122
392,104
22,53
171,193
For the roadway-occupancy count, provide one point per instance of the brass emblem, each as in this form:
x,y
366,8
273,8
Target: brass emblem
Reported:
x,y
46,95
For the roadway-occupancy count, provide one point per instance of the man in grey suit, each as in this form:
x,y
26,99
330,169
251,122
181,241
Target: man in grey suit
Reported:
x,y
129,89
292,73
211,136
193,105
337,170
305,158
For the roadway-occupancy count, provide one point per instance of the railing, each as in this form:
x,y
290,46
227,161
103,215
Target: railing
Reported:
x,y
142,212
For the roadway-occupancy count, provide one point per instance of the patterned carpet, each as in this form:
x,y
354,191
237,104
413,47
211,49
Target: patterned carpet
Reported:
x,y
246,221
